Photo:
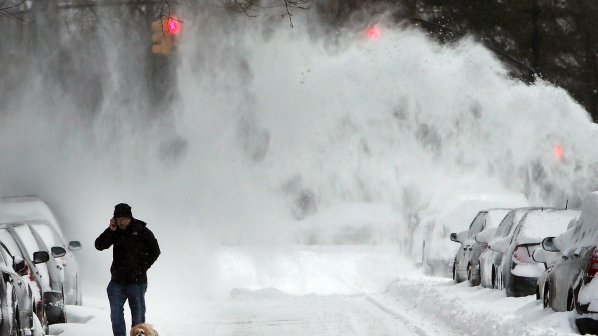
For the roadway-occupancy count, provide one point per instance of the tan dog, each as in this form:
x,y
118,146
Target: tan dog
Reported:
x,y
143,329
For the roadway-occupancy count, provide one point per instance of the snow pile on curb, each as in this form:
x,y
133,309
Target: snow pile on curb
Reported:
x,y
480,311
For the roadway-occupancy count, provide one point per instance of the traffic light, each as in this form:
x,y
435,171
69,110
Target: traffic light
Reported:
x,y
373,33
165,36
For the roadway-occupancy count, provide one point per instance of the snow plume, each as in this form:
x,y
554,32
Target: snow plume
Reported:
x,y
267,125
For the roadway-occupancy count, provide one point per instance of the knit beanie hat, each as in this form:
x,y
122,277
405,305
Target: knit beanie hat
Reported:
x,y
122,210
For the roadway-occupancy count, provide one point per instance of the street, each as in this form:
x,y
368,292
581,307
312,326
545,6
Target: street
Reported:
x,y
341,297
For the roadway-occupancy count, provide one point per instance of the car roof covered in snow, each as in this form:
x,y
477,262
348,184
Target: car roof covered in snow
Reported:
x,y
459,213
23,208
542,223
495,216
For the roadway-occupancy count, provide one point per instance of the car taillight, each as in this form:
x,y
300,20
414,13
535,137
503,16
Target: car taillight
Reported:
x,y
523,253
593,264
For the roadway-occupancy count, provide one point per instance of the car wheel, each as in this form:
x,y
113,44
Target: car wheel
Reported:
x,y
494,285
469,274
16,329
454,273
474,279
40,314
570,301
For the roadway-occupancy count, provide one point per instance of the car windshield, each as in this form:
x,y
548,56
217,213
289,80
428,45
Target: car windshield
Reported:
x,y
523,253
539,224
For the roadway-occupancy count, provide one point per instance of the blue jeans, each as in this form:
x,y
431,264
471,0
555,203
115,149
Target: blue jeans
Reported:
x,y
117,295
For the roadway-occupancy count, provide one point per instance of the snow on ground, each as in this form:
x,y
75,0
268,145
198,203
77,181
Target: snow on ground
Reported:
x,y
332,290
476,310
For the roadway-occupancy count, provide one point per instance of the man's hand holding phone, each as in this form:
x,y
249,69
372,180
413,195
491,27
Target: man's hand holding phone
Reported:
x,y
112,224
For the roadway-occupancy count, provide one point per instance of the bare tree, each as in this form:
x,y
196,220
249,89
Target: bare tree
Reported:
x,y
251,7
12,9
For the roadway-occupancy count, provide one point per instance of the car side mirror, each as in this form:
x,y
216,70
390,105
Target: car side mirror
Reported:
x,y
548,245
40,257
74,245
19,266
58,251
454,237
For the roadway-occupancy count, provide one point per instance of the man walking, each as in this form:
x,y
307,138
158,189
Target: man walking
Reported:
x,y
135,250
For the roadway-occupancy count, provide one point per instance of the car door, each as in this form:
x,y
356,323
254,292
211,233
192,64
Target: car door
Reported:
x,y
478,225
66,264
43,282
562,278
28,245
464,252
7,302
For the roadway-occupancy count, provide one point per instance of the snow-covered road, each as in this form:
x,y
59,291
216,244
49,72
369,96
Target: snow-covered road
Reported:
x,y
327,291
257,314
410,306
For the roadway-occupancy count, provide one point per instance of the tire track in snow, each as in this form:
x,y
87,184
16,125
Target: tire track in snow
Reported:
x,y
396,315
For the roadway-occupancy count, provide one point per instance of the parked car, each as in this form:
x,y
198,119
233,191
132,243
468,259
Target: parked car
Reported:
x,y
53,293
32,272
50,308
431,238
48,240
549,259
571,283
15,209
18,299
467,259
490,260
34,210
520,272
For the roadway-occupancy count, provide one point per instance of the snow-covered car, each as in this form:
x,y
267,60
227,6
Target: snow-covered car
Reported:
x,y
17,296
549,259
34,210
571,283
20,241
20,208
431,240
490,260
48,240
467,258
53,294
30,270
520,272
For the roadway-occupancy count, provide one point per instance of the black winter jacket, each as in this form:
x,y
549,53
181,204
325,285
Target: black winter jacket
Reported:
x,y
135,250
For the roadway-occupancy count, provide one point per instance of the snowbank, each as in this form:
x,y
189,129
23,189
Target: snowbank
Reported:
x,y
480,311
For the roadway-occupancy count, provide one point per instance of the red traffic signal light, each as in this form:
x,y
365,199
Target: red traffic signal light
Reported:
x,y
173,26
166,35
373,33
558,152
